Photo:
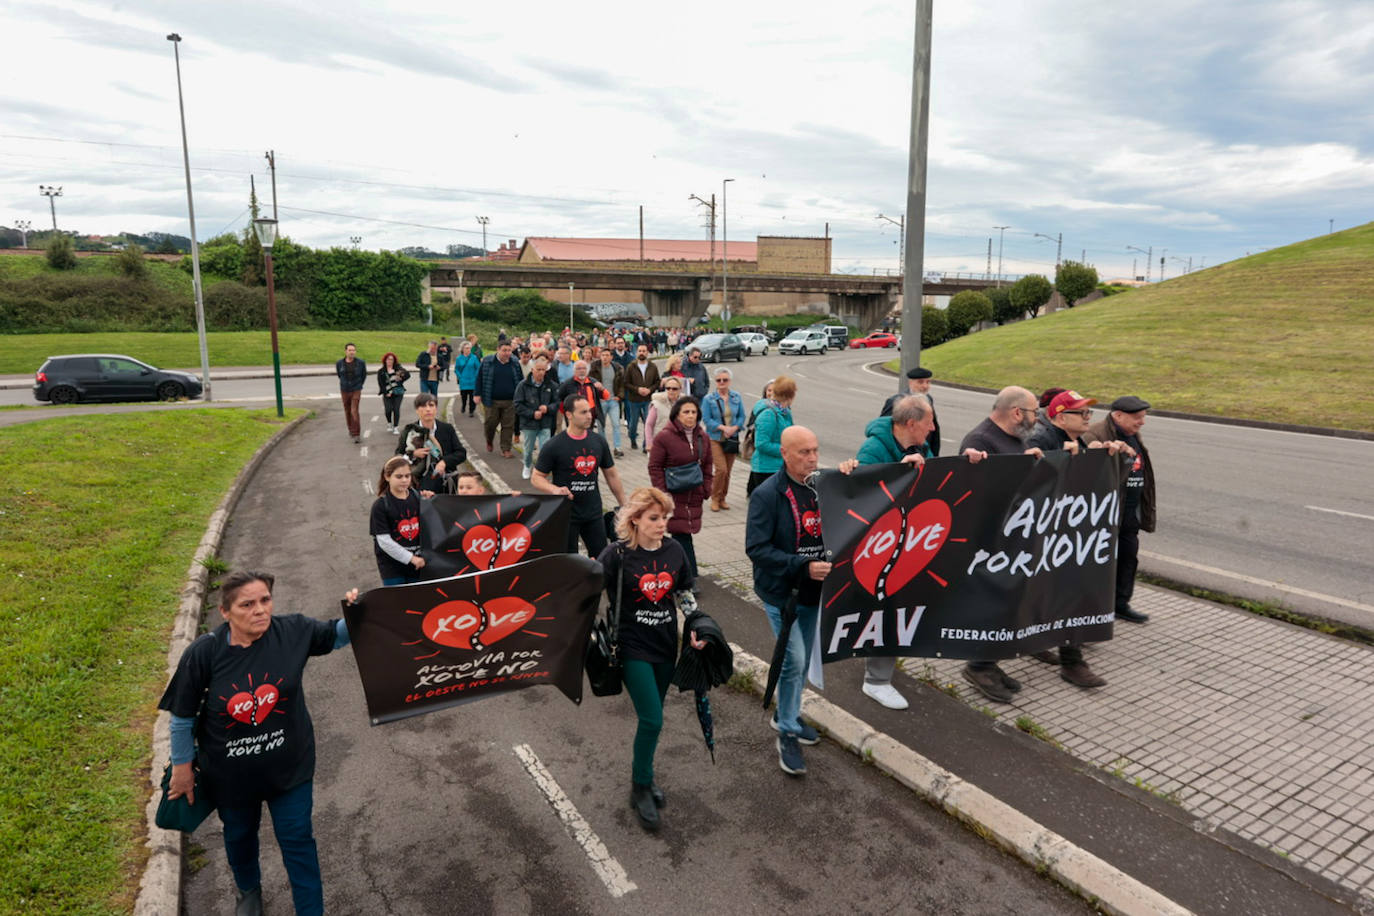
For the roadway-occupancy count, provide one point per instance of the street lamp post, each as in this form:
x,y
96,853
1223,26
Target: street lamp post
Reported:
x,y
1000,231
175,39
1149,257
23,226
1059,247
462,307
570,308
901,258
724,255
267,237
51,193
355,240
482,221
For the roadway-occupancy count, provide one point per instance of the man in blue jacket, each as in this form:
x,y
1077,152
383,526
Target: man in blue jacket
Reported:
x,y
783,540
723,416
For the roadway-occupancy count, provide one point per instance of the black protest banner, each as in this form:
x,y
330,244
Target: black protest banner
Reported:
x,y
958,560
465,534
436,644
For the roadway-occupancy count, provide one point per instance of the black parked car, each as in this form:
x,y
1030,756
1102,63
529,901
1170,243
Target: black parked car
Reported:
x,y
717,347
109,377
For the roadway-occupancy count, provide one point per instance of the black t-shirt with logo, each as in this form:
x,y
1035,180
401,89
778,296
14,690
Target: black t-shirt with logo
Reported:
x,y
809,544
648,615
399,518
1135,482
575,463
254,737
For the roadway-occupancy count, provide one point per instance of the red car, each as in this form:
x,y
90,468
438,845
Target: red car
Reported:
x,y
876,339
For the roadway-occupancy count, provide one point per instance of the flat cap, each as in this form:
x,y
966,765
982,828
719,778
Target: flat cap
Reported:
x,y
1130,404
919,372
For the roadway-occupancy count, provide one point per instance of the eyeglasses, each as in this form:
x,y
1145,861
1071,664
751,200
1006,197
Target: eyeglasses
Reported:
x,y
1030,409
1085,413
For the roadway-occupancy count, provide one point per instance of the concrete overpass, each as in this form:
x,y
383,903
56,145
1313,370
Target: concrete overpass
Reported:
x,y
680,297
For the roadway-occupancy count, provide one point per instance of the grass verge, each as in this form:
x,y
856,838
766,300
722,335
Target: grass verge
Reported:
x,y
96,545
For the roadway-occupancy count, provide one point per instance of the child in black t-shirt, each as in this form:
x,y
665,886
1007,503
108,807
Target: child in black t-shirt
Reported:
x,y
643,572
395,525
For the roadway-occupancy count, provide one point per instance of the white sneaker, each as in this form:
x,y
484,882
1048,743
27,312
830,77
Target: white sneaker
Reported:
x,y
525,473
886,694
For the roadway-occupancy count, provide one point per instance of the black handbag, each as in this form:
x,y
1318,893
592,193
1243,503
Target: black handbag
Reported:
x,y
730,445
178,813
682,478
603,657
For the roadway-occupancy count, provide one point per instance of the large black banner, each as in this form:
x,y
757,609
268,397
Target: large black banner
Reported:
x,y
436,644
957,560
464,534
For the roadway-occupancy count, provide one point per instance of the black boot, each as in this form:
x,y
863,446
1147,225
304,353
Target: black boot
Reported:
x,y
642,800
660,799
249,902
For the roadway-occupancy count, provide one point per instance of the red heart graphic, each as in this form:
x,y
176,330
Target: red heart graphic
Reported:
x,y
491,548
264,699
464,625
895,550
408,528
811,522
585,465
240,706
655,587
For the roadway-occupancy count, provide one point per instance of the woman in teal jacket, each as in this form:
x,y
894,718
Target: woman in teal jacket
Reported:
x,y
772,414
465,366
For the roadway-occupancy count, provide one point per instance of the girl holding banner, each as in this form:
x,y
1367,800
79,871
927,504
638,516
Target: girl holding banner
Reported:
x,y
395,524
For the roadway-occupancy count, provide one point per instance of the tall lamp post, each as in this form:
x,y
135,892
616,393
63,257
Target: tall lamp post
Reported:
x,y
482,221
1149,257
570,308
267,237
1000,231
23,226
901,257
175,39
51,193
724,255
1059,247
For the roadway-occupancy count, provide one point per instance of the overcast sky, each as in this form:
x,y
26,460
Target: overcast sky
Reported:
x,y
1210,130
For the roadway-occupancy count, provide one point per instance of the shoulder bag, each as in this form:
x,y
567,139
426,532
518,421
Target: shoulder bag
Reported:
x,y
684,477
178,813
603,656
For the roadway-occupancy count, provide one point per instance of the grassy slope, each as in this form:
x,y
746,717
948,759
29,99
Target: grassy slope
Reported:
x,y
98,528
164,273
1286,335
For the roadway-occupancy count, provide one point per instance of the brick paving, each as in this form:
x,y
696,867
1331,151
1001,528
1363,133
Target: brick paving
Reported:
x,y
1253,725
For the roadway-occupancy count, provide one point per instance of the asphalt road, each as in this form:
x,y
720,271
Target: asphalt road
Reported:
x,y
1270,515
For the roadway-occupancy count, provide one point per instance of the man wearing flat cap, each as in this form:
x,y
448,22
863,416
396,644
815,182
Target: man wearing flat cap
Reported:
x,y
918,382
1137,498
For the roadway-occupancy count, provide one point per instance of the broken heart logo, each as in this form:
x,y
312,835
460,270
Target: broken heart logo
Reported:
x,y
655,587
408,528
811,523
473,625
489,547
253,708
585,465
899,545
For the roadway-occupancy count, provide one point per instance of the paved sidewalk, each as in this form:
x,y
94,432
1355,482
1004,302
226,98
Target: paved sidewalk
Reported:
x,y
1253,725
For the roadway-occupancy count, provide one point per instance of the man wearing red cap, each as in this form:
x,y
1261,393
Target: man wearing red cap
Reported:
x,y
1069,415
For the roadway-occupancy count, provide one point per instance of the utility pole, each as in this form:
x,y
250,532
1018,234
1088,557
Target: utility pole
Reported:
x,y
1330,226
483,220
641,233
711,227
272,167
23,226
987,274
724,252
175,39
914,249
1001,230
1149,259
901,226
50,193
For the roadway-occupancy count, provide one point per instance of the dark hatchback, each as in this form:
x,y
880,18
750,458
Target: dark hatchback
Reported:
x,y
109,377
717,347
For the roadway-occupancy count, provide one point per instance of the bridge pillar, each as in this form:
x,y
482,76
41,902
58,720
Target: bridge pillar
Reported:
x,y
678,307
865,311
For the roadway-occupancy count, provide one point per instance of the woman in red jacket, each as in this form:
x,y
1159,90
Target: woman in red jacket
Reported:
x,y
681,444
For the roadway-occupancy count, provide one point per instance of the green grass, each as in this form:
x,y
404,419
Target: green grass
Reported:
x,y
99,521
1284,335
165,273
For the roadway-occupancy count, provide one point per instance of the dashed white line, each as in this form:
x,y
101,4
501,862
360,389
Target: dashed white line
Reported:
x,y
362,451
1339,512
367,487
603,863
1252,580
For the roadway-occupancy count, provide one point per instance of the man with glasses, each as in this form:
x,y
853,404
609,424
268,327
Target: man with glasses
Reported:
x,y
1137,495
695,372
1069,415
722,413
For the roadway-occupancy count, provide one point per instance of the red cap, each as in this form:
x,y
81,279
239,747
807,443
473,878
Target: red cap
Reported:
x,y
1067,400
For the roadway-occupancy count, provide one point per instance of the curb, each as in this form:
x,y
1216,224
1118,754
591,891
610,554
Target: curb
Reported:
x,y
1100,883
159,892
498,486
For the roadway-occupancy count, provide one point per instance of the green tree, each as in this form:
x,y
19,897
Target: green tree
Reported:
x,y
61,252
1002,309
130,261
965,310
934,327
1029,293
1074,281
254,272
167,246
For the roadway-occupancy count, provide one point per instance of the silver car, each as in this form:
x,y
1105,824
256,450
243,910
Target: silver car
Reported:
x,y
754,344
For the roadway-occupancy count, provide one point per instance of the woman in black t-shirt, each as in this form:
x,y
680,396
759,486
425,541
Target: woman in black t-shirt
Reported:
x,y
238,712
644,570
395,525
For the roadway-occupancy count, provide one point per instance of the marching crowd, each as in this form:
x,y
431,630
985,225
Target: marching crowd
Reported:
x,y
565,400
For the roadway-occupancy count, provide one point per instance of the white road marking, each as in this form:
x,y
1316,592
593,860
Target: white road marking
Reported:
x,y
367,487
362,451
1339,512
1267,583
603,863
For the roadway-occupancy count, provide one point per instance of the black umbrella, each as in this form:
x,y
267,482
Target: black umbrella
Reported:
x,y
701,669
789,617
708,727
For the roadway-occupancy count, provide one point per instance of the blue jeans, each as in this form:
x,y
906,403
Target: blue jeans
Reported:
x,y
431,387
610,416
531,441
295,836
801,642
635,411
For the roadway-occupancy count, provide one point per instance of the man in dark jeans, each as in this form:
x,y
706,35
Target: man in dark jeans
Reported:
x,y
496,382
352,373
567,466
1137,495
445,354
